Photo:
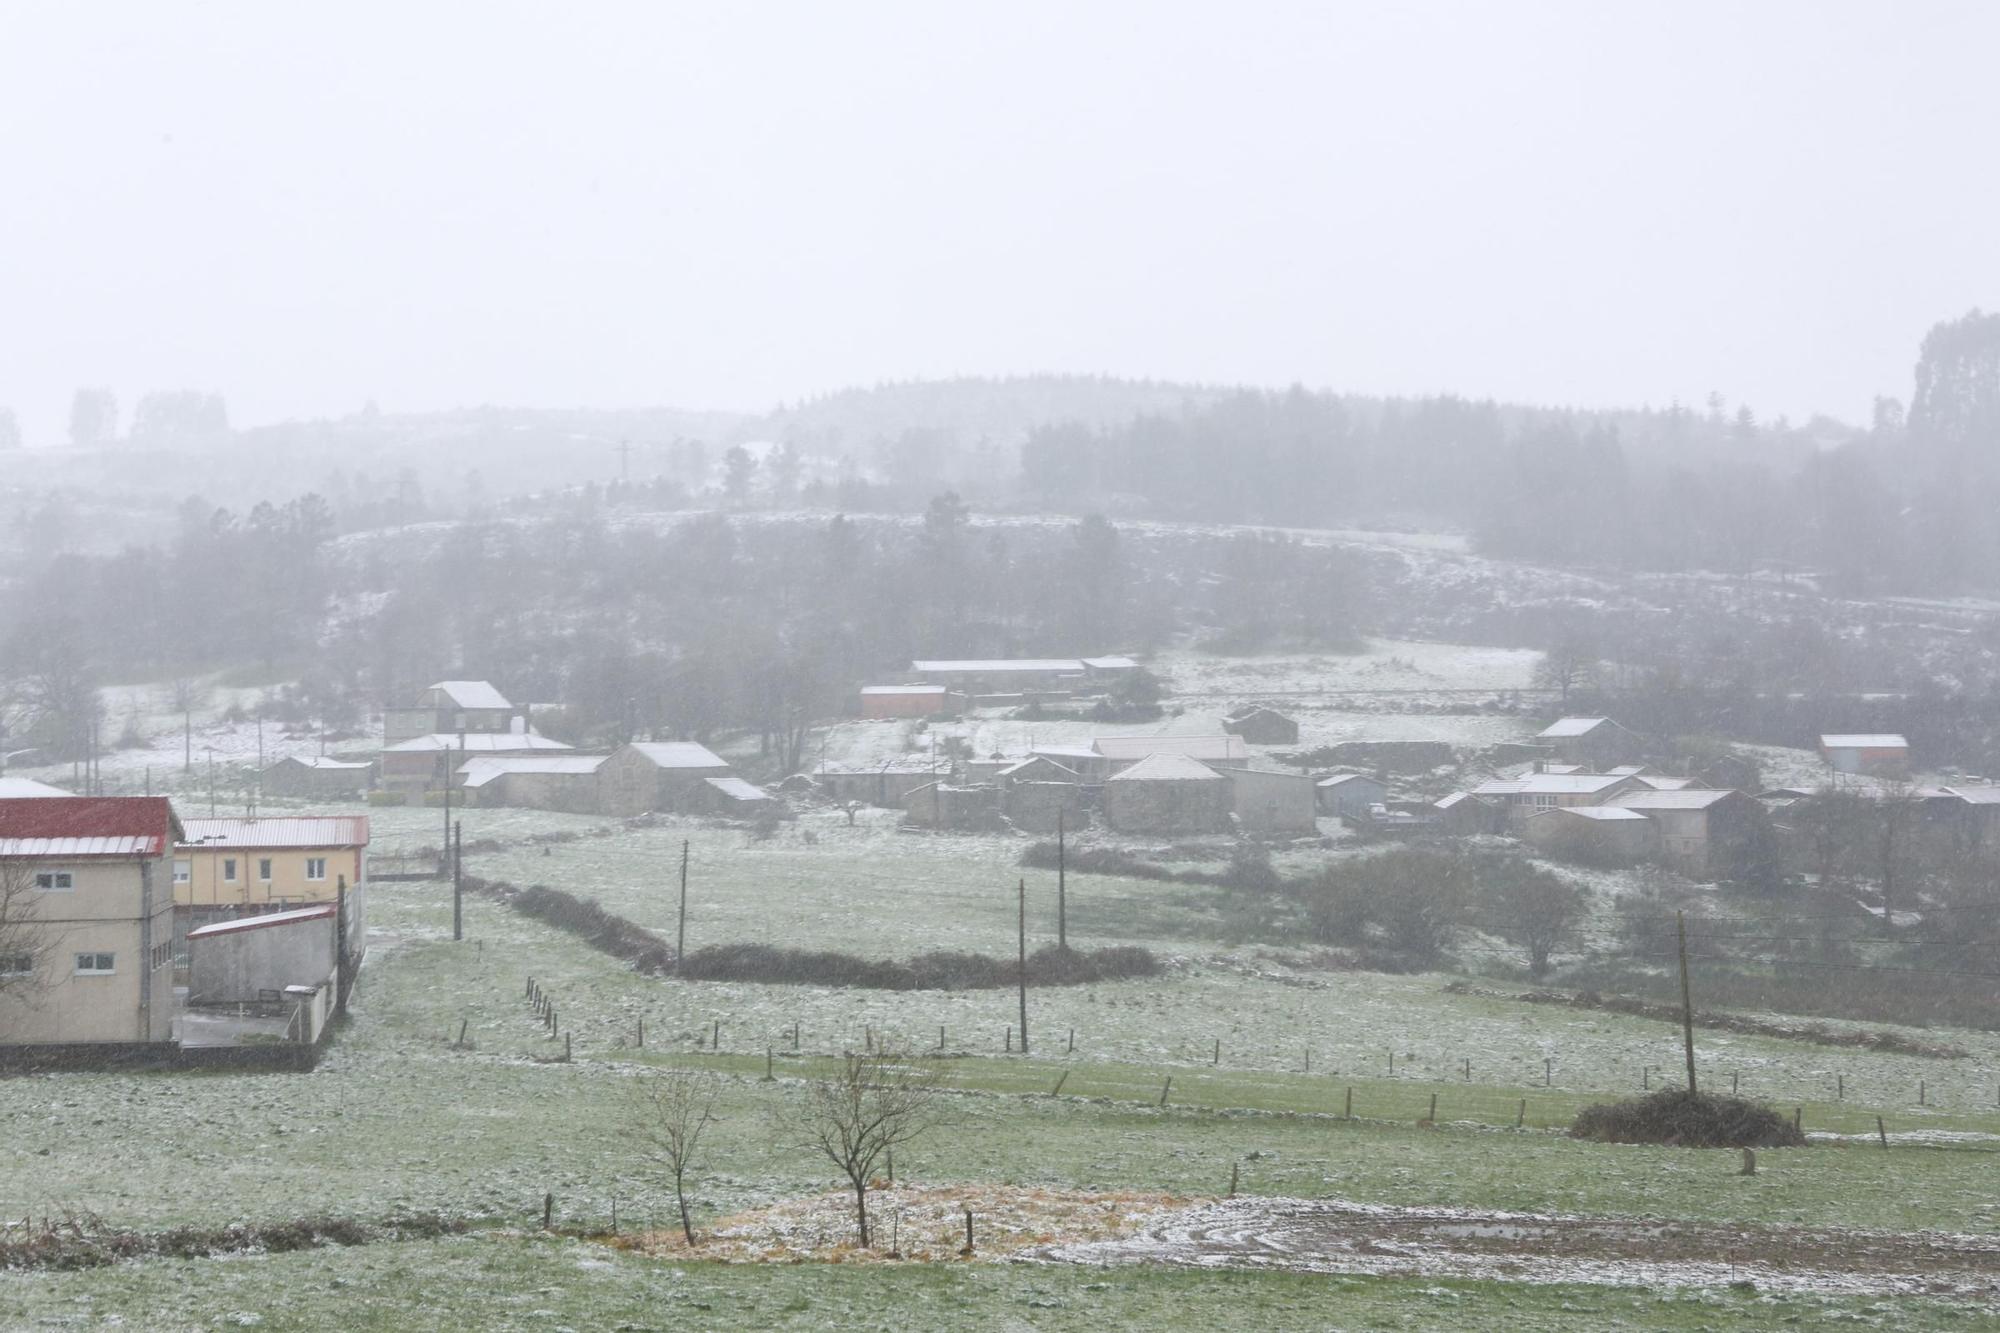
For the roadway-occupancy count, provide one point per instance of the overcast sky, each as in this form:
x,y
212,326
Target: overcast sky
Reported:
x,y
727,205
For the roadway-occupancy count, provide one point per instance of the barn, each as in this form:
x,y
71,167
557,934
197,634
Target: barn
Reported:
x,y
1168,794
316,777
1875,754
657,775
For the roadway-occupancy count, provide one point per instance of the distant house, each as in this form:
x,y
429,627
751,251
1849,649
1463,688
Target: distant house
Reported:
x,y
1874,754
1262,726
942,805
889,701
1592,831
1082,760
316,777
1003,675
658,775
14,789
1701,831
97,875
1037,768
1464,814
1525,795
232,864
1122,751
567,782
1168,795
426,763
453,706
1659,782
1597,743
1267,802
733,798
884,784
1350,794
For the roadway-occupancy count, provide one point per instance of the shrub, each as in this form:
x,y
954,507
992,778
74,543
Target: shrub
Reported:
x,y
1677,1118
388,798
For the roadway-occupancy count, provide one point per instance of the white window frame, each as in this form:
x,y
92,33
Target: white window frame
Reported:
x,y
183,870
263,870
316,869
110,969
67,880
228,870
17,965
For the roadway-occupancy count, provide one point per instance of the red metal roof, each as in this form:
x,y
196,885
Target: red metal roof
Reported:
x,y
87,826
312,831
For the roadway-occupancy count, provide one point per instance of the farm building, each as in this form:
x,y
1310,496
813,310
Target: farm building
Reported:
x,y
884,701
425,763
566,782
1464,814
1085,762
1037,768
316,777
1003,675
1392,756
1592,832
1659,782
1701,831
253,958
453,706
1267,802
1350,794
733,798
1262,726
884,784
1039,807
1597,743
940,805
1168,794
657,775
1875,755
101,866
235,864
1523,796
1121,751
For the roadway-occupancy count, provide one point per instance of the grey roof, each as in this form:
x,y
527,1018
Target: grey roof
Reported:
x,y
1458,798
1037,759
903,689
1217,747
1340,778
1604,813
323,763
1168,768
472,694
1550,784
1658,783
1566,727
679,754
738,789
1881,740
476,742
1691,798
479,772
1987,795
1109,663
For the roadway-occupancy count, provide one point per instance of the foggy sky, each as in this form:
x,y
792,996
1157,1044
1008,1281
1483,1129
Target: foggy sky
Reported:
x,y
728,205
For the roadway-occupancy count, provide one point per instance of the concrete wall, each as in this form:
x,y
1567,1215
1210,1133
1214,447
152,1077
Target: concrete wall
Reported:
x,y
1034,806
943,807
121,907
572,793
1273,802
233,968
1174,806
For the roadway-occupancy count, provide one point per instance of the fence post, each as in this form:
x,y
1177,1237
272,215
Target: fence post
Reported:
x,y
1168,1088
1347,1111
1881,1131
1521,1116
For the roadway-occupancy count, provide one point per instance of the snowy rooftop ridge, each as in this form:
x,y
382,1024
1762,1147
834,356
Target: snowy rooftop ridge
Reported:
x,y
1878,740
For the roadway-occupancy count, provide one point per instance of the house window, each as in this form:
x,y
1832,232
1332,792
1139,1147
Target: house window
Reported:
x,y
96,964
17,964
316,867
162,955
55,881
183,872
228,870
1544,802
264,869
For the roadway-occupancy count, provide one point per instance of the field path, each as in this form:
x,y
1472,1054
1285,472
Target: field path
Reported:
x,y
1327,1236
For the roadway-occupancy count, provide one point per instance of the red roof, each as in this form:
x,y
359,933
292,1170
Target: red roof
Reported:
x,y
87,826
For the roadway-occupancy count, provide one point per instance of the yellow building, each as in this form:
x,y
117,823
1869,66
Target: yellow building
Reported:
x,y
276,862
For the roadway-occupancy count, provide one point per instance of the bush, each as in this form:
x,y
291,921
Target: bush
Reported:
x,y
1678,1119
388,798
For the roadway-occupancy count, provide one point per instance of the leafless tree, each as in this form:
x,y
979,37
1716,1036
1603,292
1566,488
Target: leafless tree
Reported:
x,y
25,943
680,1106
1539,912
871,1104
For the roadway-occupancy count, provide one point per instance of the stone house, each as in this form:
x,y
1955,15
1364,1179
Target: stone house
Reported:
x,y
1262,726
471,706
884,784
657,775
1467,815
1596,743
572,783
1701,831
1592,832
939,805
1349,795
1122,751
426,763
1038,807
1037,768
1168,795
316,777
1267,802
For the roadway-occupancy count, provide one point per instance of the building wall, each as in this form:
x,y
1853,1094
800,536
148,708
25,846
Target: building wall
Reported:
x,y
208,883
1034,806
1880,763
124,908
1181,806
574,793
1603,748
1273,802
940,806
288,779
906,705
886,789
226,969
1351,799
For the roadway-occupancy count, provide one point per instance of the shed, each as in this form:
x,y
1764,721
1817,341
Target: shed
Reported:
x,y
1168,794
885,701
316,776
734,798
253,957
569,783
657,775
1591,832
1267,802
1872,754
1350,794
1262,726
1597,743
1465,814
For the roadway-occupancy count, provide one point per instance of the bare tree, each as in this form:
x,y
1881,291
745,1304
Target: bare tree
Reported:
x,y
1538,911
25,943
872,1103
680,1106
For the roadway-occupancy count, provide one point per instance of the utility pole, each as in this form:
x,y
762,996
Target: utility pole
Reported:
x,y
1024,967
457,881
625,460
1687,1001
681,933
1062,887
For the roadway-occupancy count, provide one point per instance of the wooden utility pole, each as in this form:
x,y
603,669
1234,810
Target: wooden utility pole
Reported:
x,y
1062,886
458,880
681,934
1687,1000
1024,967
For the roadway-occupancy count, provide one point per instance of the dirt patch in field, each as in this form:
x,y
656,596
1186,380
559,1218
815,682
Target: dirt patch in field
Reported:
x,y
1319,1236
911,1224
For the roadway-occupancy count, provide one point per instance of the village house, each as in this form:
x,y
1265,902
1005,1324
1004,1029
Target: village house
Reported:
x,y
316,777
1700,831
94,877
1003,676
892,701
1525,795
1123,751
232,864
1036,768
1597,743
1168,794
426,763
732,798
1262,726
1268,802
1349,795
1874,754
565,782
1043,807
942,805
884,784
1466,815
1082,760
472,706
1592,832
658,775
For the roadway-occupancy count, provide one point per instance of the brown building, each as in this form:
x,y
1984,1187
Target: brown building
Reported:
x,y
883,701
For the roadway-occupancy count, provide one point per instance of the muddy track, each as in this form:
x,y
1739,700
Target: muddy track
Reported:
x,y
1315,1236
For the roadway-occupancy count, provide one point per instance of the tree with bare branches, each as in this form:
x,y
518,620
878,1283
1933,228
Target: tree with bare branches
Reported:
x,y
680,1106
871,1104
25,943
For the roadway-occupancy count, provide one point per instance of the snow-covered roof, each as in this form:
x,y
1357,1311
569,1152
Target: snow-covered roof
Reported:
x,y
1564,768
1109,663
14,789
1037,761
1564,728
1001,665
480,772
1882,740
476,742
1168,768
294,917
1601,813
1456,799
1220,747
1659,783
1688,799
679,754
1988,795
1066,752
286,831
737,789
322,763
932,690
1626,770
472,694
1550,784
1341,779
